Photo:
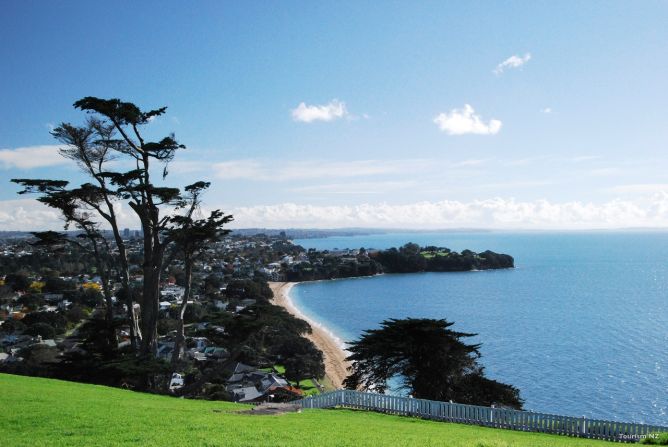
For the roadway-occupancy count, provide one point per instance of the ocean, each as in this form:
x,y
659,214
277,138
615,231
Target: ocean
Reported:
x,y
580,326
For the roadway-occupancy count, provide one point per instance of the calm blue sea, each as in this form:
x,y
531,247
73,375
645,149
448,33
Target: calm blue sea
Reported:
x,y
580,326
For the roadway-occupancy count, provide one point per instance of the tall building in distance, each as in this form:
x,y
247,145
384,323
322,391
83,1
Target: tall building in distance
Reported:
x,y
126,233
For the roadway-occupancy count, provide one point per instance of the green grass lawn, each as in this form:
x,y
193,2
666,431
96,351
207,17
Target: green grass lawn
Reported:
x,y
39,412
308,387
432,254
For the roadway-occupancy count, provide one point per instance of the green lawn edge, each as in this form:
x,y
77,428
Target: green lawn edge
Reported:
x,y
47,412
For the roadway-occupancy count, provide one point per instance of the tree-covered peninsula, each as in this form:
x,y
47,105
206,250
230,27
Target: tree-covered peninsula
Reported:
x,y
410,258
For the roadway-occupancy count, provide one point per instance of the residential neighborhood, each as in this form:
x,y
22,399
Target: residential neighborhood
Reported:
x,y
50,306
219,333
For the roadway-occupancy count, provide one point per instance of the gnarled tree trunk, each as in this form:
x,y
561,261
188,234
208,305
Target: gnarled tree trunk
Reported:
x,y
179,343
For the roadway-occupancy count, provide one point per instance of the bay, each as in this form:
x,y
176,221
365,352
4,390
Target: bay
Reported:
x,y
580,326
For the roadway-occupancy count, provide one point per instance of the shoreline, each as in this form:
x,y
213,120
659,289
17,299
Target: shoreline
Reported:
x,y
333,353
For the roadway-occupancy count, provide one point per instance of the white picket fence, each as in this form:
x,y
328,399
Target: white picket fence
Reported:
x,y
485,416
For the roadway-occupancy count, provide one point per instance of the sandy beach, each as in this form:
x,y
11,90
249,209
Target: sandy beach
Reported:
x,y
335,357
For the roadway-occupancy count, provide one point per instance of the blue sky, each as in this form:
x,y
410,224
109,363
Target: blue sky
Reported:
x,y
392,114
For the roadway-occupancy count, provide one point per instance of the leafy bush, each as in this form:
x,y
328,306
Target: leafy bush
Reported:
x,y
249,288
45,330
166,325
18,281
57,285
76,314
217,392
54,319
32,302
38,360
656,439
194,313
89,297
12,327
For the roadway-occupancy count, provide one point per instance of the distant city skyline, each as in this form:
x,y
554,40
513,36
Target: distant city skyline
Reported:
x,y
429,115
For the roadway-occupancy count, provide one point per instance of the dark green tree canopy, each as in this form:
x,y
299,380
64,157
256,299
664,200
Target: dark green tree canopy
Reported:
x,y
114,130
430,360
18,281
119,112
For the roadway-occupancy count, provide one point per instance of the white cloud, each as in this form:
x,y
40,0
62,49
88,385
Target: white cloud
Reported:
x,y
30,215
493,213
328,112
497,213
465,121
267,170
546,110
31,157
27,214
513,61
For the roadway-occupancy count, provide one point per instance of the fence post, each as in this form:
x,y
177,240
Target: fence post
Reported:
x,y
584,426
491,415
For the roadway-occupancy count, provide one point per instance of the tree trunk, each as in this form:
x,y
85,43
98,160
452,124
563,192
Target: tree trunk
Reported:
x,y
180,332
149,311
101,266
148,344
109,314
153,255
135,333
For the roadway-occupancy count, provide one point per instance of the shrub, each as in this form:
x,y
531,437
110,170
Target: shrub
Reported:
x,y
75,314
45,330
194,313
217,392
18,281
32,302
54,319
12,327
166,325
58,285
656,439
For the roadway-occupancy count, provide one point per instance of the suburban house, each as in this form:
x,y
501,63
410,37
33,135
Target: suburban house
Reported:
x,y
248,384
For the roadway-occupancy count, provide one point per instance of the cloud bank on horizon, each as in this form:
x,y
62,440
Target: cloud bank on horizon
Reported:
x,y
390,193
495,213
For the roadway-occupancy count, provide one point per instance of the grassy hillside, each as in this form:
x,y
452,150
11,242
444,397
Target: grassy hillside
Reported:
x,y
36,412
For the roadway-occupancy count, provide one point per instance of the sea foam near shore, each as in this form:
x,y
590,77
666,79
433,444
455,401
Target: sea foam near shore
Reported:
x,y
287,294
